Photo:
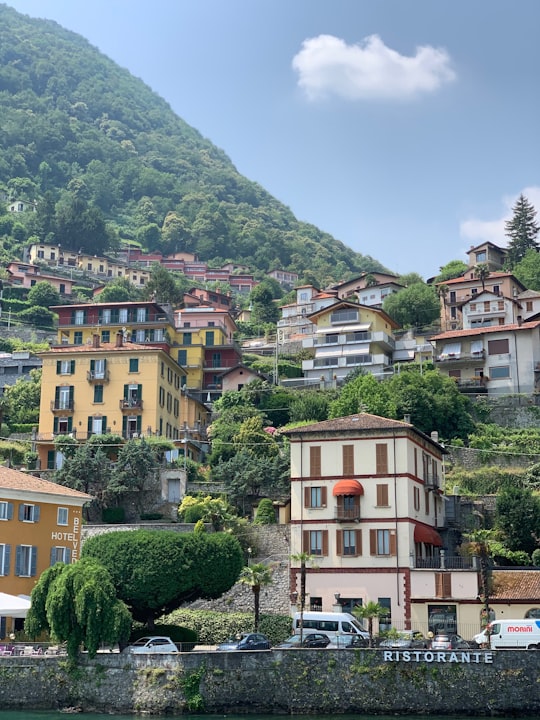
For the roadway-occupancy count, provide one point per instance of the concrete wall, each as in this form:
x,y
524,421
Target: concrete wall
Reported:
x,y
279,681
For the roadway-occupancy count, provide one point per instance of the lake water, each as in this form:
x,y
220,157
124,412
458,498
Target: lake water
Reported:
x,y
23,715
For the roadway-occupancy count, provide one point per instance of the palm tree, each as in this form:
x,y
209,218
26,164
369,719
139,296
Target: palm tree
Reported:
x,y
479,545
367,612
481,271
442,292
303,558
256,576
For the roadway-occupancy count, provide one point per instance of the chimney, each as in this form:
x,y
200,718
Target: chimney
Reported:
x,y
407,418
435,436
95,340
119,339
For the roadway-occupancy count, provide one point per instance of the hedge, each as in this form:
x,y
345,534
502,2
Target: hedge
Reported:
x,y
215,627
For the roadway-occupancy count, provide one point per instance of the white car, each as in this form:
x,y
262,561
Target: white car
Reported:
x,y
482,638
152,645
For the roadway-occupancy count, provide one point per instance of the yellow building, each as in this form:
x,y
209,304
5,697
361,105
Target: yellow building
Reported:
x,y
40,524
125,388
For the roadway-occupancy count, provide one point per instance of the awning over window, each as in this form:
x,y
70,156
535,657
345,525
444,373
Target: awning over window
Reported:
x,y
477,346
451,350
425,534
343,328
347,487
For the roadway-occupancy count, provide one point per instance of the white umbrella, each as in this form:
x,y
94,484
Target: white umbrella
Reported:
x,y
14,606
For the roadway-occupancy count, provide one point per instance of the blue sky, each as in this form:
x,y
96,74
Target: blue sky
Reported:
x,y
405,128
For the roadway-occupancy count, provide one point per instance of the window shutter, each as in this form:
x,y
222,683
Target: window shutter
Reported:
x,y
426,495
70,424
348,459
10,511
7,558
56,396
58,367
358,542
324,496
18,558
381,458
105,364
21,512
33,562
393,542
382,495
68,556
307,497
90,425
55,425
92,366
325,542
126,392
53,556
72,367
139,423
139,392
124,426
315,461
339,542
37,513
104,424
71,391
372,542
305,541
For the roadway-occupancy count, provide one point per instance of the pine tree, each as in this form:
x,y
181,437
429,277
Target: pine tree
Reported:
x,y
522,231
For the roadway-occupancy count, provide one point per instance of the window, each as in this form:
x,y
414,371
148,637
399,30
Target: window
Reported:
x,y
169,402
98,393
161,396
97,425
97,368
443,585
209,338
315,542
416,497
315,461
63,397
496,290
123,315
381,458
5,553
331,339
186,338
6,510
474,291
348,542
498,347
133,365
105,336
141,314
78,317
529,306
382,542
182,357
28,513
315,497
382,495
26,561
60,554
62,516
348,459
481,256
77,337
216,360
496,373
65,367
344,315
105,316
139,336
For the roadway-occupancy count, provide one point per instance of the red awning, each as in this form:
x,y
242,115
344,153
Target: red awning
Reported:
x,y
348,487
425,534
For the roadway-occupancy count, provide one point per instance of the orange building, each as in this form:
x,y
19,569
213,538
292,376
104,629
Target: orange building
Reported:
x,y
40,525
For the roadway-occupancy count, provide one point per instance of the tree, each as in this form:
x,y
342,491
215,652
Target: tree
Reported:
x,y
44,295
263,306
246,475
265,515
527,270
77,604
253,438
88,470
23,399
155,571
364,394
39,316
479,546
256,576
415,306
163,286
452,269
304,559
369,612
136,473
521,231
481,272
312,406
411,278
119,290
518,517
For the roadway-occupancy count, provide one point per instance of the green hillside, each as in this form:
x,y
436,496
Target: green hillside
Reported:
x,y
107,160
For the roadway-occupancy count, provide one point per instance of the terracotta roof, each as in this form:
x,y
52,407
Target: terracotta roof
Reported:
x,y
485,330
516,585
11,479
362,421
494,275
104,347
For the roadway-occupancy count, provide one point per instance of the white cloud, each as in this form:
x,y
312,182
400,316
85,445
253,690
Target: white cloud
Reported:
x,y
327,66
493,230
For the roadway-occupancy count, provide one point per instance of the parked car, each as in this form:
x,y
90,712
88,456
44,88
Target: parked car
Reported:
x,y
482,639
309,640
348,642
407,639
449,642
152,645
246,641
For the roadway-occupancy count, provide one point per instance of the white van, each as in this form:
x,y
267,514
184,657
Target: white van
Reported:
x,y
514,634
341,628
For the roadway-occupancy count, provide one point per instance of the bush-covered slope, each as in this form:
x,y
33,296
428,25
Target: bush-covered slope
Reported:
x,y
74,126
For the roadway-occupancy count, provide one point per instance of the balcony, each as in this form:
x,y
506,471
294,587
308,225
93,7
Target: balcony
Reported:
x,y
133,404
62,406
462,357
97,377
342,514
431,481
476,385
448,562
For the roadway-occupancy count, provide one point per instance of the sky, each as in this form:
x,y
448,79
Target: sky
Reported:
x,y
404,128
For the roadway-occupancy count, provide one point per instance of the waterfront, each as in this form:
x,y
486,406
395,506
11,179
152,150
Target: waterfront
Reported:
x,y
23,715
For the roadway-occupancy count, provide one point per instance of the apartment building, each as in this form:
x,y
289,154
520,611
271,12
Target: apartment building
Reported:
x,y
369,288
27,275
367,504
40,524
15,366
294,324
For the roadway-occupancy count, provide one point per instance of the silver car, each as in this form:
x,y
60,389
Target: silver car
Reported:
x,y
152,645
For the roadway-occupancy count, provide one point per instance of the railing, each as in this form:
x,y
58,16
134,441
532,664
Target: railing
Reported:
x,y
460,357
347,514
446,562
62,406
102,376
131,404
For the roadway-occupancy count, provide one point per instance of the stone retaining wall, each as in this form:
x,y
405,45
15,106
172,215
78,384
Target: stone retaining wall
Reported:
x,y
291,682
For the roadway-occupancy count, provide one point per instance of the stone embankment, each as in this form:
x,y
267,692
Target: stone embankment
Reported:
x,y
293,682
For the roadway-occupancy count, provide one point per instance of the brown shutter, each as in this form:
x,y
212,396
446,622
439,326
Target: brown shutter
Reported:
x,y
305,542
307,497
415,462
382,495
439,585
393,542
372,542
358,542
339,542
381,457
498,347
426,495
315,461
324,496
348,459
325,542
447,585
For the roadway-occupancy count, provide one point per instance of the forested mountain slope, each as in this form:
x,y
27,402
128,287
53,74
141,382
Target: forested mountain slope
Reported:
x,y
94,144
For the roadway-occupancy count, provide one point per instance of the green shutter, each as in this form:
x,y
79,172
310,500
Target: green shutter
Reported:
x,y
71,391
126,392
105,365
58,367
139,423
124,426
55,425
70,424
104,424
72,368
56,396
139,392
90,424
92,366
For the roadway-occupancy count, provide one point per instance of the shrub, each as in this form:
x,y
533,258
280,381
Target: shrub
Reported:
x,y
536,557
114,515
152,516
21,428
214,627
177,633
266,515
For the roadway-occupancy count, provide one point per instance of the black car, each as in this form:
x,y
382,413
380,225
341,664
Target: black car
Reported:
x,y
246,641
309,640
449,641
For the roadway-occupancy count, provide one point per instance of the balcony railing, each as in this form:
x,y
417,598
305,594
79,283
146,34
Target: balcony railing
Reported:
x,y
452,562
65,406
97,377
460,357
131,404
347,514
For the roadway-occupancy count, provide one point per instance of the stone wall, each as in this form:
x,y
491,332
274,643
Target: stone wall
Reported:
x,y
290,682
